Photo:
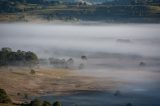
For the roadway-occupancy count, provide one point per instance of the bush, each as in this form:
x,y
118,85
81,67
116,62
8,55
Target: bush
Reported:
x,y
33,71
45,103
57,103
26,96
36,102
4,98
142,64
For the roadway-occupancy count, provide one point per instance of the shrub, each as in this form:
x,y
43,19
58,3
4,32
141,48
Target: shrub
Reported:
x,y
26,96
18,94
142,64
33,71
4,98
57,103
45,103
36,102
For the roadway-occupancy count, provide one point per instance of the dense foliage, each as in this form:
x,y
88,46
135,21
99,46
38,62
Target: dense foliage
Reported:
x,y
57,103
9,57
4,98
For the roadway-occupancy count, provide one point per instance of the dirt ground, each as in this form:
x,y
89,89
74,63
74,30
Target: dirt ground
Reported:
x,y
21,84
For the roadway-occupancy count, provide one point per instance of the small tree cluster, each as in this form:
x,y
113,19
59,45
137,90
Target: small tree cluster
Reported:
x,y
61,63
9,57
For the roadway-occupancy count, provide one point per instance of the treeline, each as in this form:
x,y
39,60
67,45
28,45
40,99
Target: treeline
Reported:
x,y
9,57
12,6
133,2
109,11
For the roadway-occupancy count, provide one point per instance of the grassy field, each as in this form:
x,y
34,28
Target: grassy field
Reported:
x,y
20,84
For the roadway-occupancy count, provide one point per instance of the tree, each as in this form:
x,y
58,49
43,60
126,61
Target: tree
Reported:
x,y
46,103
4,98
32,71
84,57
57,103
6,49
70,62
31,57
36,102
9,57
142,64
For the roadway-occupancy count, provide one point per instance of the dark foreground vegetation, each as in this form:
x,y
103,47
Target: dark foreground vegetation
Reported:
x,y
5,99
9,57
38,102
110,11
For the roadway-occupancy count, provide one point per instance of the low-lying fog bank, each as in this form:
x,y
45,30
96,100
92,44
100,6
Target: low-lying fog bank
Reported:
x,y
138,39
123,58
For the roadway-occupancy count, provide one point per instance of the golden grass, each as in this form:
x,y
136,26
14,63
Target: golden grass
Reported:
x,y
18,81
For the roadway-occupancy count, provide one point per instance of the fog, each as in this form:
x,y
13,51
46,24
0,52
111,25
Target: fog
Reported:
x,y
138,39
114,52
107,46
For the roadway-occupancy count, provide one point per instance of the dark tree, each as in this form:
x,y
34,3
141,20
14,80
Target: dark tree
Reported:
x,y
46,103
4,98
36,102
9,57
84,57
57,103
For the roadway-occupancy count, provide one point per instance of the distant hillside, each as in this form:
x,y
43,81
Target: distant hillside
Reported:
x,y
86,10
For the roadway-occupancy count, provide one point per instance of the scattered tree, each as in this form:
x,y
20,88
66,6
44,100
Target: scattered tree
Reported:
x,y
46,103
84,57
142,64
32,71
57,103
36,102
26,96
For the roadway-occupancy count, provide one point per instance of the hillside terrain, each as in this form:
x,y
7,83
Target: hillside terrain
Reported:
x,y
115,11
